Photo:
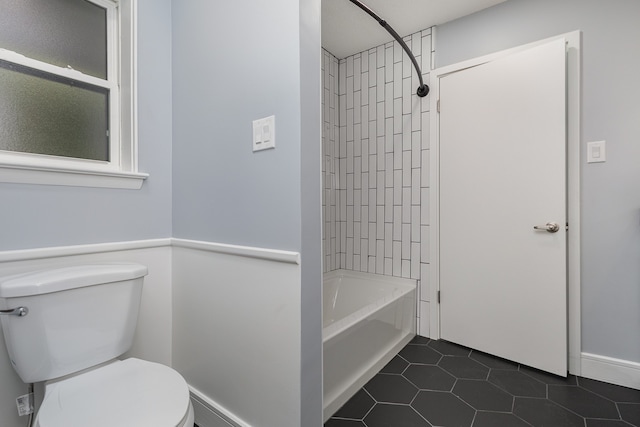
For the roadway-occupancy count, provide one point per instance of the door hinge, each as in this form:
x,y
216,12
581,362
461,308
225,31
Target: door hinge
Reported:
x,y
566,227
438,106
438,297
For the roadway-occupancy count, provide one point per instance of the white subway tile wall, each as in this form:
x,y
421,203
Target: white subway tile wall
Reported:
x,y
331,240
375,146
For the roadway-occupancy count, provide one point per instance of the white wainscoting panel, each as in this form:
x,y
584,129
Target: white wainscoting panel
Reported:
x,y
236,333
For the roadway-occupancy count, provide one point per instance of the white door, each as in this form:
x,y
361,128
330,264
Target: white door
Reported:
x,y
503,171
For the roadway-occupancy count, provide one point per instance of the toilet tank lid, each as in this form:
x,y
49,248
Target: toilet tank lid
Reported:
x,y
60,279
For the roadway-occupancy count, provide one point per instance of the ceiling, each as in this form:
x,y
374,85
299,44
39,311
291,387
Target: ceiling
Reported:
x,y
346,29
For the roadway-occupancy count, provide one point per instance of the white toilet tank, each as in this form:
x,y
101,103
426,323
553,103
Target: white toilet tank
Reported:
x,y
78,317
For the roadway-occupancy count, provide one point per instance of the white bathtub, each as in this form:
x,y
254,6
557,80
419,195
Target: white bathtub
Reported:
x,y
368,318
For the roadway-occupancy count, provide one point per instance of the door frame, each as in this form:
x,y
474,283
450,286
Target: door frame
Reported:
x,y
574,53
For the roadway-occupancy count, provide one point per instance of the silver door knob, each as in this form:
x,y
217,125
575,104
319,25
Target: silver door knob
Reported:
x,y
551,227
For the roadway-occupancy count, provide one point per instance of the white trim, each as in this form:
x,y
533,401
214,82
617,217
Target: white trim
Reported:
x,y
611,370
434,204
246,251
574,136
201,401
71,177
128,82
132,72
62,251
105,3
67,73
113,76
45,161
573,186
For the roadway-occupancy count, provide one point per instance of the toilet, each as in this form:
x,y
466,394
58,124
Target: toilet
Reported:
x,y
66,327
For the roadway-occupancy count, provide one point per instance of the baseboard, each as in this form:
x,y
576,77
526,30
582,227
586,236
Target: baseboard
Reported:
x,y
209,413
608,369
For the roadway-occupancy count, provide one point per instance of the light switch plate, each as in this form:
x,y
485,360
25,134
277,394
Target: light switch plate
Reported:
x,y
264,133
596,152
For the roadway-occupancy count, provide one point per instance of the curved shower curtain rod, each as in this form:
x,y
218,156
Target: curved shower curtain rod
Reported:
x,y
423,89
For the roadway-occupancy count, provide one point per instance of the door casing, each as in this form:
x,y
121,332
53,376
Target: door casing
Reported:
x,y
574,50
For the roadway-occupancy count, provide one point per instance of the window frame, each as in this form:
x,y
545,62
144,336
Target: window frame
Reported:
x,y
121,170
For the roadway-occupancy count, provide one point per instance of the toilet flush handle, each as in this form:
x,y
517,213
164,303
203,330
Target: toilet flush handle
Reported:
x,y
20,312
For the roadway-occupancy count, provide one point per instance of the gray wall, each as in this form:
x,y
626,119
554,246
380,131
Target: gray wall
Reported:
x,y
234,62
611,112
34,216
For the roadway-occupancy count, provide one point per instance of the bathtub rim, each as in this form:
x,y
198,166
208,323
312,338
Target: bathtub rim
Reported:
x,y
333,274
335,329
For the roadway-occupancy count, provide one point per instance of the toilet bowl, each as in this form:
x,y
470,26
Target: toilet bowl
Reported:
x,y
131,392
66,327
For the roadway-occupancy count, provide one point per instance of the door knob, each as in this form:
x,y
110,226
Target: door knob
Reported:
x,y
551,227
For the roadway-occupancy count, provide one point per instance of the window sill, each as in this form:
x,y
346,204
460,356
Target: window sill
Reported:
x,y
71,177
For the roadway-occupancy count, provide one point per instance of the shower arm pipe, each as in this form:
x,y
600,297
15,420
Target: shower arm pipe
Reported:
x,y
423,89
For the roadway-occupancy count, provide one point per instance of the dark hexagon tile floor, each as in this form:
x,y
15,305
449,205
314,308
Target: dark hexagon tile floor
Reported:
x,y
439,384
391,388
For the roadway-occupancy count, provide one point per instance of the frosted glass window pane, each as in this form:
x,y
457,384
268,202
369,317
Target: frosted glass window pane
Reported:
x,y
44,114
59,32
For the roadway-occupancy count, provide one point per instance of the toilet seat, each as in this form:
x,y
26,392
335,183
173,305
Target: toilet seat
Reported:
x,y
131,392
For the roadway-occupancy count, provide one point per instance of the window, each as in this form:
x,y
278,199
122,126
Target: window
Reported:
x,y
67,93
